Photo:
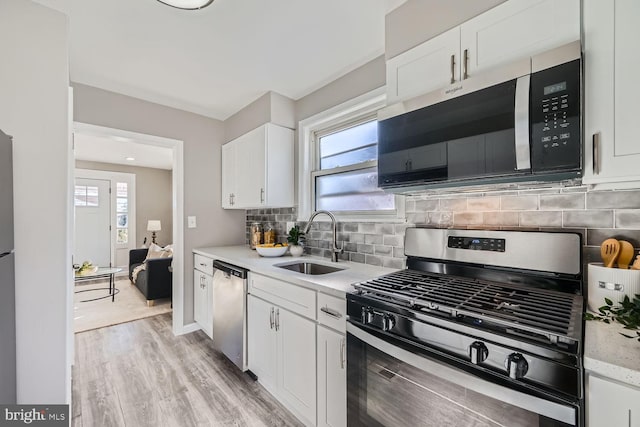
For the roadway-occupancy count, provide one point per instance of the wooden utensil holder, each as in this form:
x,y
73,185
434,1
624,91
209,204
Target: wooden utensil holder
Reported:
x,y
612,283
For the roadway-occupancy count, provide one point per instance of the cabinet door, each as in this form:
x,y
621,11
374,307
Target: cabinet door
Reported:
x,y
198,280
611,91
297,362
332,378
424,68
261,341
228,175
201,283
517,29
612,404
250,169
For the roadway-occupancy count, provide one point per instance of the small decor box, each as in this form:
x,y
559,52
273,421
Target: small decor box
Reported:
x,y
612,283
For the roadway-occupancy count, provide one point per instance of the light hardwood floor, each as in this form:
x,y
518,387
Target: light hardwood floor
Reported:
x,y
140,374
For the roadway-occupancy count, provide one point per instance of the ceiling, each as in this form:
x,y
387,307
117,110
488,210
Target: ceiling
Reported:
x,y
217,60
116,149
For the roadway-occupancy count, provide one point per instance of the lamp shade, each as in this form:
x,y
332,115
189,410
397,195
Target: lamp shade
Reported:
x,y
154,225
187,4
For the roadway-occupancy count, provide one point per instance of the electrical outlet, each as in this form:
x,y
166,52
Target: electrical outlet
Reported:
x,y
191,222
290,225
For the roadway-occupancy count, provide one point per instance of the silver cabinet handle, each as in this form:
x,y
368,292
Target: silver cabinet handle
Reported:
x,y
465,68
453,69
277,319
596,153
330,312
271,320
262,195
342,353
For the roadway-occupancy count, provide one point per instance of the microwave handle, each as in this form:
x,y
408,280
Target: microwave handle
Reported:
x,y
521,125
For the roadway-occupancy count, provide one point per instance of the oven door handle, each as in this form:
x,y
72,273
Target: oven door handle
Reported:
x,y
557,411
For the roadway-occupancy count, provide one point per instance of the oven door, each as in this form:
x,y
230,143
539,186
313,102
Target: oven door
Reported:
x,y
388,385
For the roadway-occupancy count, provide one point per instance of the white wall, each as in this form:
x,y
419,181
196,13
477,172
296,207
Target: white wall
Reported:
x,y
34,110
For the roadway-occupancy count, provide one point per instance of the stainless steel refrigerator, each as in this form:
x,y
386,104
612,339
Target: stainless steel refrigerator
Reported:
x,y
7,276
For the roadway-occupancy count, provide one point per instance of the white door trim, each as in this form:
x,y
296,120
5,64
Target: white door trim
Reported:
x,y
178,205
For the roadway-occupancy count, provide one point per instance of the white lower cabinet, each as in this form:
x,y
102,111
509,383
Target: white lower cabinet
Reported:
x,y
282,355
203,301
611,404
332,378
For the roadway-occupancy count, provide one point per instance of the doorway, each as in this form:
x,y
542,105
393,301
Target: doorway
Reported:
x,y
175,233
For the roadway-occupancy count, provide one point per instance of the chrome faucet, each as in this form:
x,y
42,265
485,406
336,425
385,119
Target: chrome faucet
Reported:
x,y
335,250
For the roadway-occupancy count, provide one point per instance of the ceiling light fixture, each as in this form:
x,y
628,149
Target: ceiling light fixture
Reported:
x,y
187,4
130,159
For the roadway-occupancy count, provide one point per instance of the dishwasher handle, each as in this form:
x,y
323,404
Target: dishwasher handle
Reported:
x,y
229,269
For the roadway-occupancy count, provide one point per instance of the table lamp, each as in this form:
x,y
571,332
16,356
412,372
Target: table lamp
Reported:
x,y
153,225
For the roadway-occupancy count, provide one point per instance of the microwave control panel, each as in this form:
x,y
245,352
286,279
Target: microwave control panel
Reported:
x,y
555,118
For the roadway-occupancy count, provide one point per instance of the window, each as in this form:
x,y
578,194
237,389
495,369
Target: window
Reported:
x,y
86,196
338,163
122,213
346,178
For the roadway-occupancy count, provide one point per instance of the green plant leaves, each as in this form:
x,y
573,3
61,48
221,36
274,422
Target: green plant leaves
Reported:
x,y
626,313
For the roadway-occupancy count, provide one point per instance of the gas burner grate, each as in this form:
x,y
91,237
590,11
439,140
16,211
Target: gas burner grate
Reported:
x,y
540,312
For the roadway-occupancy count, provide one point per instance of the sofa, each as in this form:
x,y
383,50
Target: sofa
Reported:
x,y
156,280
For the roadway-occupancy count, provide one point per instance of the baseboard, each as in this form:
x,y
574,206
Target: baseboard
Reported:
x,y
191,327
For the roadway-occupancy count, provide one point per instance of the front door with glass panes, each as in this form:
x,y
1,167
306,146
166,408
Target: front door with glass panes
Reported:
x,y
92,222
117,204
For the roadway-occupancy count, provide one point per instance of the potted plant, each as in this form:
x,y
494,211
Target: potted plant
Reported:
x,y
294,241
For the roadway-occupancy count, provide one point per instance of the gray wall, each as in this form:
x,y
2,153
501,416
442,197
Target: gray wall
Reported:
x,y
269,108
34,92
153,198
417,21
202,138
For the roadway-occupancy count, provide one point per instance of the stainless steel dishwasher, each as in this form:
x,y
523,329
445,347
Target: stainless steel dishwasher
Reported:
x,y
230,312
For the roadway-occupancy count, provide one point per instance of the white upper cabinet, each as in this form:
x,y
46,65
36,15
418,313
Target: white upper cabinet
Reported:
x,y
513,30
517,29
427,67
612,128
228,178
257,169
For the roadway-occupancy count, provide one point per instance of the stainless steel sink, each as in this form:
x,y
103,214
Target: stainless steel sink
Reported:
x,y
309,268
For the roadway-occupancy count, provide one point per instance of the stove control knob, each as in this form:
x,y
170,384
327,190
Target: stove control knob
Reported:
x,y
478,352
516,366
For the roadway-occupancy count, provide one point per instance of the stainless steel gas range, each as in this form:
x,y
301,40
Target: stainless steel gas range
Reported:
x,y
483,328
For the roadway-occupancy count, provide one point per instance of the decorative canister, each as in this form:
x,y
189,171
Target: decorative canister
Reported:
x,y
255,235
269,234
611,283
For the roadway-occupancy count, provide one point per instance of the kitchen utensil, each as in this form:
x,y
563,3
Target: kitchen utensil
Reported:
x,y
609,251
636,263
626,254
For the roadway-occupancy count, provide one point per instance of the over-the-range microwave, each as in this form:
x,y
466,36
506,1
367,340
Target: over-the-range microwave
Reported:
x,y
520,122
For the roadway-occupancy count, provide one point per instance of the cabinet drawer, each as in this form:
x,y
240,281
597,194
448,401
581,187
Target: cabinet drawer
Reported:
x,y
294,298
203,264
332,312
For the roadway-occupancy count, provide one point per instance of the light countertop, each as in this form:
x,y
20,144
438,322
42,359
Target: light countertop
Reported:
x,y
337,283
611,355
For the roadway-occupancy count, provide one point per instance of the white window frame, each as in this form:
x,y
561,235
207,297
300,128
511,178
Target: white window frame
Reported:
x,y
353,111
